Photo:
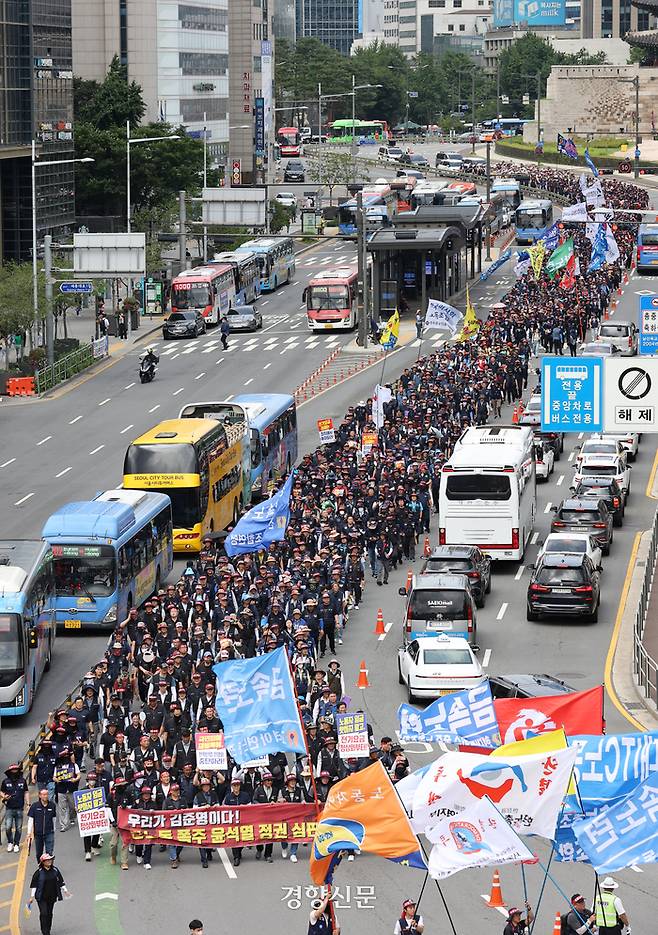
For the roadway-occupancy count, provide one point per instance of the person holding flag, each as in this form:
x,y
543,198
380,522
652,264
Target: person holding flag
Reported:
x,y
410,922
391,332
322,919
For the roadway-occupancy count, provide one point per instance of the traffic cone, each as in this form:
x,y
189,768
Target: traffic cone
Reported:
x,y
515,416
426,547
557,925
410,578
521,408
379,626
625,279
364,683
495,900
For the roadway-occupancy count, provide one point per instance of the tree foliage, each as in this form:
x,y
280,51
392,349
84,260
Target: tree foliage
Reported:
x,y
16,300
334,168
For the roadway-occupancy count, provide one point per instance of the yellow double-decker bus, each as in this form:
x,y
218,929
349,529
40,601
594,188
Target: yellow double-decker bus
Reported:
x,y
198,464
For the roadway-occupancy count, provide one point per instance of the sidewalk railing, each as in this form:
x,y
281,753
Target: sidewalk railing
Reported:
x,y
645,668
70,365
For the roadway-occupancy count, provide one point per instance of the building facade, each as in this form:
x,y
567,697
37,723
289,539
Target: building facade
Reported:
x,y
334,22
612,19
36,103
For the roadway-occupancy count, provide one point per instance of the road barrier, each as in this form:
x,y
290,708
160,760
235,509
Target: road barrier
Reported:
x,y
645,668
70,365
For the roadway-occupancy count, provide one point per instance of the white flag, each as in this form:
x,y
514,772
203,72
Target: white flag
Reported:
x,y
522,267
380,396
582,182
594,194
577,212
478,836
442,315
611,249
528,790
590,231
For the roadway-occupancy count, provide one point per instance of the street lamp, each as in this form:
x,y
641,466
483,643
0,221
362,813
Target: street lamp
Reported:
x,y
38,163
130,141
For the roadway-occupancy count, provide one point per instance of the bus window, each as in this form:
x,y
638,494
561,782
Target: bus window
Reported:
x,y
255,448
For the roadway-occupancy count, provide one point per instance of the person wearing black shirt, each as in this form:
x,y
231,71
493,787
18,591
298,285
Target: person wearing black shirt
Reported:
x,y
236,797
47,886
41,824
515,925
204,799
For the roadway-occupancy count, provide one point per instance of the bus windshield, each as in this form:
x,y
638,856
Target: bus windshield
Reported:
x,y
11,643
161,459
326,297
84,570
530,220
478,487
192,295
649,240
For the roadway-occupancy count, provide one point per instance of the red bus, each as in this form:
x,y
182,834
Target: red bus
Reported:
x,y
331,299
403,188
289,141
210,289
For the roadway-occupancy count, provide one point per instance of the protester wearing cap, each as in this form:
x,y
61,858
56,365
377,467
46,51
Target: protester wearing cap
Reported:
x,y
265,794
14,793
410,920
516,925
321,921
205,798
47,887
41,818
579,920
235,797
91,842
611,916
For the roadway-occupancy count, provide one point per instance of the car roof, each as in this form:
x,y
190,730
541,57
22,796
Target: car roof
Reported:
x,y
594,480
578,503
452,551
600,458
443,642
562,559
435,581
537,685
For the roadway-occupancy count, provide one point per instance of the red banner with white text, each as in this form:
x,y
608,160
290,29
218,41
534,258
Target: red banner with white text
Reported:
x,y
576,712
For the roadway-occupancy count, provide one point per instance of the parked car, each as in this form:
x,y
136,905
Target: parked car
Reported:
x,y
466,560
544,459
183,325
287,199
564,585
528,686
415,160
245,318
438,665
294,171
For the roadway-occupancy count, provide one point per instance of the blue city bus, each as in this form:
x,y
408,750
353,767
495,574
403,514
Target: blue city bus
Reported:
x,y
379,203
273,421
533,217
510,188
109,554
246,272
27,621
647,248
276,259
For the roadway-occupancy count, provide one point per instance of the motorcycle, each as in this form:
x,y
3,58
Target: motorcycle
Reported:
x,y
147,369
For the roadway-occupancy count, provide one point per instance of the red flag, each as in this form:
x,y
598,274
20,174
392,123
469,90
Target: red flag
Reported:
x,y
577,713
568,280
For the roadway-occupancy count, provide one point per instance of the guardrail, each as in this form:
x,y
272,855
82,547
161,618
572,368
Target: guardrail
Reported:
x,y
45,729
70,365
645,668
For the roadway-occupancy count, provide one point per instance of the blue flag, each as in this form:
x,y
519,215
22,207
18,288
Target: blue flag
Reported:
x,y
599,249
551,238
256,703
264,524
566,146
503,258
624,835
590,163
466,717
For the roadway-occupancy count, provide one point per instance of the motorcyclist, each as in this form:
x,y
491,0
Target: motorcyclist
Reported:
x,y
148,360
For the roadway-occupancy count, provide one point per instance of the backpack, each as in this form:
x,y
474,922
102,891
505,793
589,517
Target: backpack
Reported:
x,y
565,928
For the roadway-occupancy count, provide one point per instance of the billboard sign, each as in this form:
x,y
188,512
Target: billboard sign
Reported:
x,y
530,12
244,206
103,256
259,120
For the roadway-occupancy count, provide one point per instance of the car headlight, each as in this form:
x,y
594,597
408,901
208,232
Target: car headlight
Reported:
x,y
111,615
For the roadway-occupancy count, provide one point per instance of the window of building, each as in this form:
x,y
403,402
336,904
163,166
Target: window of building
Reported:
x,y
456,4
258,63
437,3
451,27
203,63
407,19
462,28
192,110
408,35
201,17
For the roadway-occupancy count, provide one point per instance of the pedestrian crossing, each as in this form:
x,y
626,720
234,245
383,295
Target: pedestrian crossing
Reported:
x,y
260,343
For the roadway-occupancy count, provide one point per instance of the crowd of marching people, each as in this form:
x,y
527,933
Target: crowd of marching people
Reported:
x,y
354,516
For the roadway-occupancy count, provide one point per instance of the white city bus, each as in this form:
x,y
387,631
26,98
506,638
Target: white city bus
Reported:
x,y
487,492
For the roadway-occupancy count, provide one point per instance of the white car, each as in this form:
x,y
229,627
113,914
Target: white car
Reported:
x,y
544,459
621,333
571,543
532,412
433,666
598,349
287,199
390,153
600,445
603,465
630,442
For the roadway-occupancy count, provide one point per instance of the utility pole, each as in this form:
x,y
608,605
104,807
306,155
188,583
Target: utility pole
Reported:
x,y
473,102
182,230
538,108
320,144
488,256
353,146
48,270
497,89
362,268
636,165
205,184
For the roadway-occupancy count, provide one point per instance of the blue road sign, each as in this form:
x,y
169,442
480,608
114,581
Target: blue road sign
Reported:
x,y
571,394
77,288
637,153
648,325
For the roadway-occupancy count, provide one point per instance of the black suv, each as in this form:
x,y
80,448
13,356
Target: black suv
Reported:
x,y
585,514
462,560
294,171
603,488
566,586
527,686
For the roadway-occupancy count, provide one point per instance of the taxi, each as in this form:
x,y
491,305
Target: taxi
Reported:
x,y
434,666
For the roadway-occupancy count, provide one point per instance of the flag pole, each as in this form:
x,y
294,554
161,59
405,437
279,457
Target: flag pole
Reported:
x,y
560,891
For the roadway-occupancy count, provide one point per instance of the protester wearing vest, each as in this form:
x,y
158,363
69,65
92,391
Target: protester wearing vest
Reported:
x,y
410,921
610,914
47,887
321,921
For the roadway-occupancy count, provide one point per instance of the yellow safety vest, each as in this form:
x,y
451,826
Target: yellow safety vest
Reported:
x,y
606,914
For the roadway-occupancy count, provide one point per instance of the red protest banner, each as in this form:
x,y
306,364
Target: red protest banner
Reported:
x,y
217,826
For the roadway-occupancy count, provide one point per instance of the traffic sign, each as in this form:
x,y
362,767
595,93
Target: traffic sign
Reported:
x,y
637,153
648,324
630,394
76,288
571,393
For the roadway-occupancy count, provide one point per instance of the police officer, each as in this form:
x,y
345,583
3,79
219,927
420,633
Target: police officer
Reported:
x,y
611,916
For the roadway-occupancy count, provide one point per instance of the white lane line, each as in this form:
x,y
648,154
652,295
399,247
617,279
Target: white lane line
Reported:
x,y
548,506
176,392
571,456
581,435
265,302
229,398
130,385
65,471
502,911
249,381
387,627
96,450
7,463
501,612
201,375
486,658
73,421
301,307
558,482
174,356
44,440
291,340
157,406
106,400
519,574
535,536
127,428
23,499
267,365
223,856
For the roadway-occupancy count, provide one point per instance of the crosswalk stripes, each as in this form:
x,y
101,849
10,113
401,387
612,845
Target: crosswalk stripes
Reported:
x,y
258,343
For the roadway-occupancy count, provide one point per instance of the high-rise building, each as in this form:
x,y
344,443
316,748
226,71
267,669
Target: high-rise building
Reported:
x,y
613,18
334,22
36,103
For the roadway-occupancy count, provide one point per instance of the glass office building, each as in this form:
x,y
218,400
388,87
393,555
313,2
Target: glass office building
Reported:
x,y
334,22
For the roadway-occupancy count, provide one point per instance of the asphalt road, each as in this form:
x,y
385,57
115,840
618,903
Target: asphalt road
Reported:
x,y
64,435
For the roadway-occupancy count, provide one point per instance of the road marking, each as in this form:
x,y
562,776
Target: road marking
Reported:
x,y
612,648
382,636
23,499
96,450
107,896
65,471
130,385
501,612
500,909
202,374
265,302
7,463
223,856
176,392
519,574
547,508
251,380
571,456
558,482
535,536
486,658
221,359
229,398
652,476
174,356
581,435
301,307
123,431
44,440
73,421
108,398
157,406
267,365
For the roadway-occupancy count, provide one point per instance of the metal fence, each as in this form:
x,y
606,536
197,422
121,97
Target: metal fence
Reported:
x,y
69,365
645,669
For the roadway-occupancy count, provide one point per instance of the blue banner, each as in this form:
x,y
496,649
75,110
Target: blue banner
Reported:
x,y
256,703
551,238
503,258
263,524
590,163
599,249
466,717
566,146
625,834
609,766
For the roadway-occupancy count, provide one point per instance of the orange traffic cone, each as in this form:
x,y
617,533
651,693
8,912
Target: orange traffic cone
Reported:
x,y
495,900
515,416
364,683
625,279
410,578
379,626
521,408
426,547
557,925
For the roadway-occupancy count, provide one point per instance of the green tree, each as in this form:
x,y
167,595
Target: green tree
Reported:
x,y
110,103
16,303
334,169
